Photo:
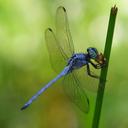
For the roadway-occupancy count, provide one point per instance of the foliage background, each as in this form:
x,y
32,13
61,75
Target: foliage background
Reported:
x,y
24,63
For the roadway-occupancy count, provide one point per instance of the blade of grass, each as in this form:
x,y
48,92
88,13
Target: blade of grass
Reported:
x,y
104,71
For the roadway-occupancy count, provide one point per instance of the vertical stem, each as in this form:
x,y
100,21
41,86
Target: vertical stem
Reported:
x,y
104,71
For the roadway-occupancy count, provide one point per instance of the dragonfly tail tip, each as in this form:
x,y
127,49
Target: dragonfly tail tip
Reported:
x,y
24,107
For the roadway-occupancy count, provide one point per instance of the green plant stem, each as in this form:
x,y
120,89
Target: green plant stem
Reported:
x,y
104,71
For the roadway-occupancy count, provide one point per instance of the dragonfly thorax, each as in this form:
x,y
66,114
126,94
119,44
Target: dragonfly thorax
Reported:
x,y
78,60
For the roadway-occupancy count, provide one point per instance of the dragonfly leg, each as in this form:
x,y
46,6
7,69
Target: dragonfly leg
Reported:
x,y
96,66
89,72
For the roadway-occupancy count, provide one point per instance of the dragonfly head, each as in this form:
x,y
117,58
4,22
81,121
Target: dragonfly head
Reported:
x,y
95,55
101,59
92,52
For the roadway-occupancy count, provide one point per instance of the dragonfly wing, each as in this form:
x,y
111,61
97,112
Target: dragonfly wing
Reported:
x,y
75,93
60,46
63,33
87,82
56,55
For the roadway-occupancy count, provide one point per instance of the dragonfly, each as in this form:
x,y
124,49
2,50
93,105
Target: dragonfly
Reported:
x,y
62,56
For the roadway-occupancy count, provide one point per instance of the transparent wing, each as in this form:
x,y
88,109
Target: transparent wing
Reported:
x,y
57,57
60,46
86,81
63,33
75,93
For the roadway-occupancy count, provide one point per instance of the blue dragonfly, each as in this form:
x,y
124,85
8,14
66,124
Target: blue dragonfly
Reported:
x,y
63,56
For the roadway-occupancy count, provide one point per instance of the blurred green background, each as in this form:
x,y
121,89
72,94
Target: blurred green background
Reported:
x,y
24,63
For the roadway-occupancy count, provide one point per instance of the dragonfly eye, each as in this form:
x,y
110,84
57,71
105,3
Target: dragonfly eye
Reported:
x,y
92,52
